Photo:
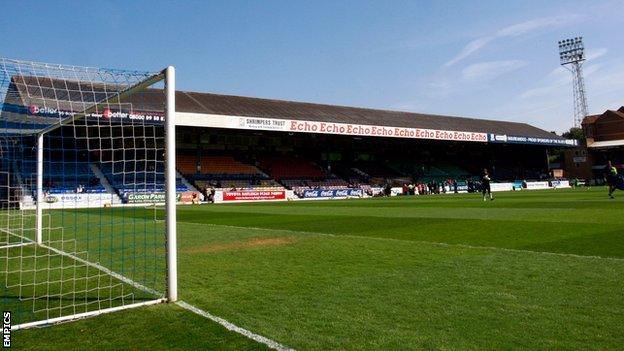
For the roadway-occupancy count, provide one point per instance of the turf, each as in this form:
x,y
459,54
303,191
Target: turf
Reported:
x,y
531,270
163,327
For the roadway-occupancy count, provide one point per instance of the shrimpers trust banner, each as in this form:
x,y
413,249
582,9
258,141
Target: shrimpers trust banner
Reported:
x,y
301,126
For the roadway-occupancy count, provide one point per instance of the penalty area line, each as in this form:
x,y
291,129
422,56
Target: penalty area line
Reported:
x,y
232,327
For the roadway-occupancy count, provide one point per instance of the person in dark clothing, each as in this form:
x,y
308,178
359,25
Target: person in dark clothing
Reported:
x,y
485,184
388,189
611,176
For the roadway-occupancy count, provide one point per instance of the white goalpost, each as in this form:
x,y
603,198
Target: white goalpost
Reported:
x,y
80,150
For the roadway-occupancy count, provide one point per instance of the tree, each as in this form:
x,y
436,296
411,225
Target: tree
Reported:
x,y
574,133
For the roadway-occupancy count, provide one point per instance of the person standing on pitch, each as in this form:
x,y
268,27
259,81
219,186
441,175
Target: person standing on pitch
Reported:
x,y
611,176
485,184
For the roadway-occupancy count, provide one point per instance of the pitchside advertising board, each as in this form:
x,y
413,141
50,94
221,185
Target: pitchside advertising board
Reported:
x,y
137,198
86,200
254,195
537,185
320,193
55,201
501,186
394,191
560,184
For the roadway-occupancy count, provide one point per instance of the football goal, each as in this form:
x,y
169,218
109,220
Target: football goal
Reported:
x,y
82,150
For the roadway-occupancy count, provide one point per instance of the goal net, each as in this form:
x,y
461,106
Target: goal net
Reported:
x,y
82,150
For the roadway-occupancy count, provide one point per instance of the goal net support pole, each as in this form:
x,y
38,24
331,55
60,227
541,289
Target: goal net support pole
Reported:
x,y
170,186
39,191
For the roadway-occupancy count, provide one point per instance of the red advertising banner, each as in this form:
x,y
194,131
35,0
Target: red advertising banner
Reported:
x,y
253,195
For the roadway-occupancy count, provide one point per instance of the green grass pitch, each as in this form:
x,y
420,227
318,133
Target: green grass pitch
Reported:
x,y
530,270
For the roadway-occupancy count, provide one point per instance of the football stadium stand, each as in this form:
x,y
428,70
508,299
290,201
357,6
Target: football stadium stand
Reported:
x,y
215,167
260,143
61,177
222,172
291,168
137,177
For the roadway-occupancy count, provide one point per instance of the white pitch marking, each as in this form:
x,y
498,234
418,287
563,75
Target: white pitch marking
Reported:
x,y
15,245
232,327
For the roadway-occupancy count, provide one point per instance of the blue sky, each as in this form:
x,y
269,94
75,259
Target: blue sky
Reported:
x,y
484,59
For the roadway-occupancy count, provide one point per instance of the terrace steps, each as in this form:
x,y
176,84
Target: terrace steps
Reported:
x,y
109,188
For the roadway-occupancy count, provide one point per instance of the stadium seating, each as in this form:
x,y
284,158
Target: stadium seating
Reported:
x,y
186,164
443,170
216,167
351,174
222,172
62,177
329,183
374,170
236,183
285,167
137,176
